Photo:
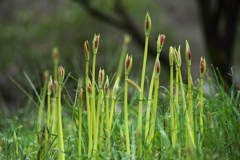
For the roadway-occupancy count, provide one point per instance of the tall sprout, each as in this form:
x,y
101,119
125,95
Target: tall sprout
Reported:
x,y
201,102
61,74
95,120
188,55
178,63
55,55
154,107
49,92
100,107
89,118
80,113
128,66
107,115
147,27
172,107
160,43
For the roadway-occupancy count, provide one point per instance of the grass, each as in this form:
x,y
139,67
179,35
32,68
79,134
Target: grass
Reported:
x,y
183,121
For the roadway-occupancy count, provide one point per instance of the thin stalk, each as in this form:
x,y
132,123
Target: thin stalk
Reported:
x,y
172,107
107,115
106,89
54,113
122,138
202,73
95,120
189,110
147,27
188,55
100,106
15,143
176,108
80,131
160,42
88,91
49,92
189,132
61,155
154,114
41,107
89,118
126,115
80,112
178,62
149,102
113,103
48,111
126,42
47,130
172,111
99,102
139,130
201,105
54,103
176,111
101,132
100,96
95,124
190,98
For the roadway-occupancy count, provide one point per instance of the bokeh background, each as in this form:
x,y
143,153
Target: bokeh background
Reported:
x,y
29,29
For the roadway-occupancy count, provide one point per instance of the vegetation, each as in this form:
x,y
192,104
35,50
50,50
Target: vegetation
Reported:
x,y
184,121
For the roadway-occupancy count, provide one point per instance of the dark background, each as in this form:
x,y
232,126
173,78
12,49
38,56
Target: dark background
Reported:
x,y
30,29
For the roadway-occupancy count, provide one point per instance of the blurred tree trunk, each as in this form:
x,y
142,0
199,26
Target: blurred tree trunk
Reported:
x,y
219,20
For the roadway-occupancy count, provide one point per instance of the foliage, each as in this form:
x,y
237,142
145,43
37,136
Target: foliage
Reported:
x,y
103,132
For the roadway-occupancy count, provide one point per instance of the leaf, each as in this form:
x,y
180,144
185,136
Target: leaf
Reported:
x,y
133,84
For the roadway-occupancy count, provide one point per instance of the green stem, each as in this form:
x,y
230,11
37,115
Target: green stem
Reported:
x,y
101,109
54,113
40,111
107,122
176,110
48,114
80,131
172,111
48,111
190,101
93,110
61,155
201,109
122,138
112,112
189,131
15,143
154,114
54,103
126,115
149,102
90,143
99,104
139,130
123,55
